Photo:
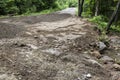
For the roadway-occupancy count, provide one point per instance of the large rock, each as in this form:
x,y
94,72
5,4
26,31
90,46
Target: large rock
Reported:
x,y
106,59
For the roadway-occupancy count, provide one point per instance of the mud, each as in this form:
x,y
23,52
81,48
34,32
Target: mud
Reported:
x,y
49,47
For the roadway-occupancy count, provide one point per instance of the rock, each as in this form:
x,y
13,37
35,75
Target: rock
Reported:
x,y
94,63
32,46
29,33
96,54
36,37
116,66
118,54
86,56
116,76
106,59
117,61
101,46
113,40
69,58
19,44
88,75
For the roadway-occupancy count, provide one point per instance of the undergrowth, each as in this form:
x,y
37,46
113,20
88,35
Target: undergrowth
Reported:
x,y
102,24
61,4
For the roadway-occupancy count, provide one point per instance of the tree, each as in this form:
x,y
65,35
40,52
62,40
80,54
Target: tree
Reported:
x,y
113,16
97,8
80,7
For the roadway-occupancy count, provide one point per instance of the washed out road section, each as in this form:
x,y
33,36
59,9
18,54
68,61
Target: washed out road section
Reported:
x,y
48,47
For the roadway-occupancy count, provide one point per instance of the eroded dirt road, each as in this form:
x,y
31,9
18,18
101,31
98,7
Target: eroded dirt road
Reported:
x,y
49,47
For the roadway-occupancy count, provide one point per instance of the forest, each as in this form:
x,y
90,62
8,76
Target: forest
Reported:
x,y
97,9
59,39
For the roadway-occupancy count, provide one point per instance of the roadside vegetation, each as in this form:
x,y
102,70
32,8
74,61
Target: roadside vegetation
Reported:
x,y
26,7
97,11
100,12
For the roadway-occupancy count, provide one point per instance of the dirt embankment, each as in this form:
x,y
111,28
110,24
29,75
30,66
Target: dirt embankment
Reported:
x,y
49,47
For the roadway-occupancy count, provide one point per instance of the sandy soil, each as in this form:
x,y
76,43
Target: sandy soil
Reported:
x,y
50,47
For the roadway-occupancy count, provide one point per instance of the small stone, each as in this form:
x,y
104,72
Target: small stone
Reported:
x,y
28,33
69,58
114,40
20,44
78,78
107,59
116,66
88,75
62,71
35,37
85,52
94,62
86,56
116,76
118,54
96,54
101,46
32,46
117,61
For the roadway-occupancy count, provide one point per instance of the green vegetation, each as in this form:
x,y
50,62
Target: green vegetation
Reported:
x,y
101,24
66,3
20,7
99,20
98,11
24,6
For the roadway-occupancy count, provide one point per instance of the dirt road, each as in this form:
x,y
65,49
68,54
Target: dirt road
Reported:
x,y
49,47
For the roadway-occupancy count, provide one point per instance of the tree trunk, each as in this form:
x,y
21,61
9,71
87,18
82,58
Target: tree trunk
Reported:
x,y
113,16
116,19
97,8
80,7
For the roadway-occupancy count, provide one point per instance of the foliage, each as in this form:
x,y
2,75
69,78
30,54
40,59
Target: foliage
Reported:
x,y
31,6
25,6
105,10
66,3
99,20
101,24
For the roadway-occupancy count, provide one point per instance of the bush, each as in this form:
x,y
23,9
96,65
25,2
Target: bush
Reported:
x,y
99,20
25,6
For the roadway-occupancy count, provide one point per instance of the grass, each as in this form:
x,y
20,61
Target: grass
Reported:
x,y
48,11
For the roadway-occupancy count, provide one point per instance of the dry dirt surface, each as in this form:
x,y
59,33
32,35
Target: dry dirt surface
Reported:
x,y
50,47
